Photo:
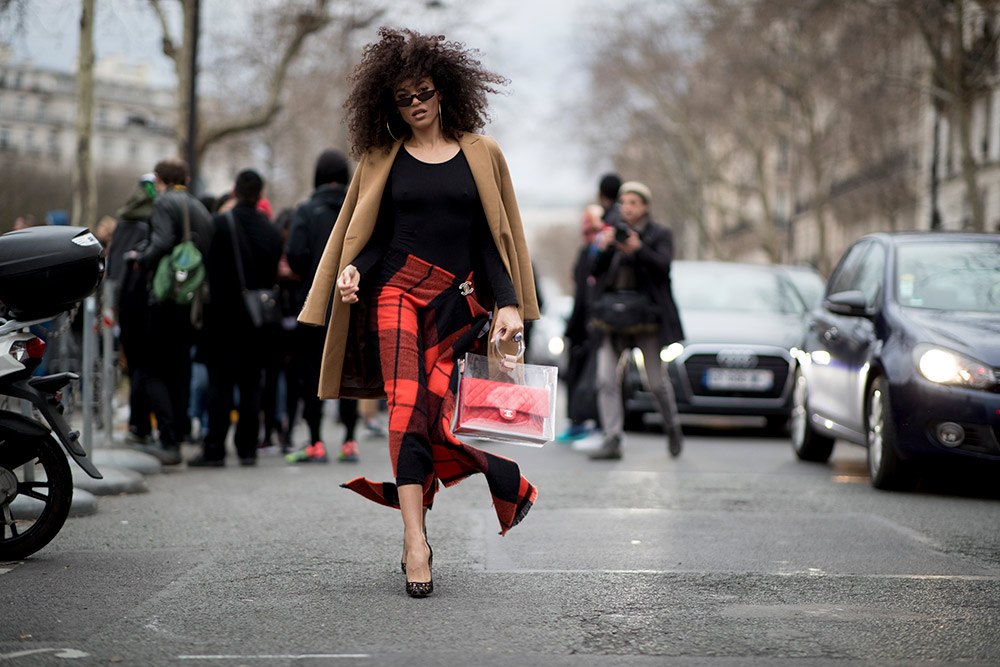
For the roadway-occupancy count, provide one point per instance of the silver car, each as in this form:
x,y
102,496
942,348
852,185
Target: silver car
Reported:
x,y
742,324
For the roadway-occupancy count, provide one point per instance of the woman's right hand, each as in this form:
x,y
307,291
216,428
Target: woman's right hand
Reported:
x,y
347,284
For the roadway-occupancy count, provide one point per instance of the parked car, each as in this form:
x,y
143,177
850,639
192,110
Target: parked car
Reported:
x,y
810,284
902,355
741,322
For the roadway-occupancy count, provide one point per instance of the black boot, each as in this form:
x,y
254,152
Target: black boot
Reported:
x,y
611,450
675,442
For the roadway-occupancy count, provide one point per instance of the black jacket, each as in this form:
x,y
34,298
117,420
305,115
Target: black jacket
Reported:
x,y
227,330
652,271
167,226
311,227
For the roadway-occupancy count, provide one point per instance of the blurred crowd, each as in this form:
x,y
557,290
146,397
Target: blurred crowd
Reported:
x,y
200,366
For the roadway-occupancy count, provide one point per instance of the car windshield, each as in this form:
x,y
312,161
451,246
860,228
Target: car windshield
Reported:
x,y
942,275
733,289
810,285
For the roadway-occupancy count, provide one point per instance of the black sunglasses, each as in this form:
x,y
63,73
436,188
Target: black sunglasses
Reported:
x,y
408,100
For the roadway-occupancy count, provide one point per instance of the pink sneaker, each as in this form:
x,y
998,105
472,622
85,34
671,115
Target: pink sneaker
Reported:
x,y
348,452
317,452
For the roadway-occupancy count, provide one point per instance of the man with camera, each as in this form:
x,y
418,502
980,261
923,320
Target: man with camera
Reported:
x,y
634,307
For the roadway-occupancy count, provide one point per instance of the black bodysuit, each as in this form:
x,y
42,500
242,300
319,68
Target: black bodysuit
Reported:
x,y
433,212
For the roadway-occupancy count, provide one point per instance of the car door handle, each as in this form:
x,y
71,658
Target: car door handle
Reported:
x,y
831,334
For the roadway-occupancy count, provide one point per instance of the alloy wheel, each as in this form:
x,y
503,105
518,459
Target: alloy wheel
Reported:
x,y
798,421
876,423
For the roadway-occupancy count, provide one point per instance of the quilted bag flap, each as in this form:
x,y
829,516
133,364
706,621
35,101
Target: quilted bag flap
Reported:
x,y
505,397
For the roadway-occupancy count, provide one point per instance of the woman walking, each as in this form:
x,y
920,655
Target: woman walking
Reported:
x,y
427,251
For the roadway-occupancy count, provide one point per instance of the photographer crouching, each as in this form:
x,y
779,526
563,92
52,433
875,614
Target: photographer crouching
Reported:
x,y
634,307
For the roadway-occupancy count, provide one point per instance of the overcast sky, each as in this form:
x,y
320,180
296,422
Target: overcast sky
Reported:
x,y
538,44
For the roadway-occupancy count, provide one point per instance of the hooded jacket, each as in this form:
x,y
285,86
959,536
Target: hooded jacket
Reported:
x,y
354,228
131,232
311,227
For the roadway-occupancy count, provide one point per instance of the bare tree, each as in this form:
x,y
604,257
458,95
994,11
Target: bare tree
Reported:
x,y
652,128
84,211
960,37
748,99
293,23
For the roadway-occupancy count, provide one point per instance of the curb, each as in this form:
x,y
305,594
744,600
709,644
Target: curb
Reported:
x,y
121,457
116,481
84,504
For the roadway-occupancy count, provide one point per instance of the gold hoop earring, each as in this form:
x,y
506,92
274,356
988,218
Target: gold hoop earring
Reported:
x,y
389,130
441,116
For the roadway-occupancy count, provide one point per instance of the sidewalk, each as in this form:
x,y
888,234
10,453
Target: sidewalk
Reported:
x,y
124,469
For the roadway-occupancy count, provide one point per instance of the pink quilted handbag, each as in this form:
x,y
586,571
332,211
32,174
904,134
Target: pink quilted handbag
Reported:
x,y
501,409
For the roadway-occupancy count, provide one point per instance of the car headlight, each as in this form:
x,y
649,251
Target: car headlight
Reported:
x,y
671,352
556,346
946,367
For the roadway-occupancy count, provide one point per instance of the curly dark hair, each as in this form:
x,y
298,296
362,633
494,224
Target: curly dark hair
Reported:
x,y
405,55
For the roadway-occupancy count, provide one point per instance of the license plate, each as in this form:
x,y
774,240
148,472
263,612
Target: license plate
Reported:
x,y
756,379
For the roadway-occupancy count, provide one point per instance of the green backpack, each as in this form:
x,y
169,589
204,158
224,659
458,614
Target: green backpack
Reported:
x,y
179,275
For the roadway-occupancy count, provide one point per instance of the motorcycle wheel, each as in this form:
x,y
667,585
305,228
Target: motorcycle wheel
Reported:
x,y
22,536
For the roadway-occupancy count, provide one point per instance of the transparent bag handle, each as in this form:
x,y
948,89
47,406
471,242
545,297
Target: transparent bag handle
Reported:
x,y
503,365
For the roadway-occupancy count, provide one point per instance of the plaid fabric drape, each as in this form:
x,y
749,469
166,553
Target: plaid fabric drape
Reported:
x,y
420,321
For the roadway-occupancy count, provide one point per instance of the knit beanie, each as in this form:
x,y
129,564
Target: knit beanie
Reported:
x,y
331,167
637,188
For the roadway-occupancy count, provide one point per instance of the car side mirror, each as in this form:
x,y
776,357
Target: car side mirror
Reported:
x,y
851,303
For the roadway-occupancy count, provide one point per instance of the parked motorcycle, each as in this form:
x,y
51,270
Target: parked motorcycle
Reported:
x,y
44,272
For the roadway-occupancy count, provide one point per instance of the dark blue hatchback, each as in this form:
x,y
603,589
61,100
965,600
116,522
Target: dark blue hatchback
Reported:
x,y
902,355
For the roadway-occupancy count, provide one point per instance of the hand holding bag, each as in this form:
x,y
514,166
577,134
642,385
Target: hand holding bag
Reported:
x,y
261,304
514,405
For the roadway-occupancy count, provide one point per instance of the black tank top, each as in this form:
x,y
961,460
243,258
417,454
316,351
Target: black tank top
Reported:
x,y
433,211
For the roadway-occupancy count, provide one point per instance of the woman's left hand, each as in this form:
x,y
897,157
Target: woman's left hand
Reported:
x,y
508,323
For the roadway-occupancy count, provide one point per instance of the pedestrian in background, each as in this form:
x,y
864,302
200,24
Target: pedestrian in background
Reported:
x,y
278,406
633,266
131,295
582,339
419,257
231,347
311,227
170,327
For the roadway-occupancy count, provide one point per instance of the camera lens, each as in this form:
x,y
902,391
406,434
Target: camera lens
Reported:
x,y
621,232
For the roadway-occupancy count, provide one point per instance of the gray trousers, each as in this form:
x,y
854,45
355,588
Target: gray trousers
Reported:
x,y
609,382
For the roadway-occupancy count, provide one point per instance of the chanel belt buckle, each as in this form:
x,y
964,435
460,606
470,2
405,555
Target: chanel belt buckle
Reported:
x,y
466,288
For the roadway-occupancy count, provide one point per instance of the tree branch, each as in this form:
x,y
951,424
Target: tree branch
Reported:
x,y
169,48
305,24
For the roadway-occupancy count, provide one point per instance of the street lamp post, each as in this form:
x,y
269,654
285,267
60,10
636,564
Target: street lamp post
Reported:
x,y
192,129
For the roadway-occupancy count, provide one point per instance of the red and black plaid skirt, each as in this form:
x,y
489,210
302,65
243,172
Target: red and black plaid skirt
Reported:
x,y
419,322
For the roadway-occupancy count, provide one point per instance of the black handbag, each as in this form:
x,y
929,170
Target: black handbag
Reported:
x,y
623,311
262,304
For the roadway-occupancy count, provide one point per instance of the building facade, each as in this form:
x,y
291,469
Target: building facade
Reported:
x,y
133,122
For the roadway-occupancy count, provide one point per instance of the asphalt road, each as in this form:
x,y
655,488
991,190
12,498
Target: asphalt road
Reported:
x,y
734,554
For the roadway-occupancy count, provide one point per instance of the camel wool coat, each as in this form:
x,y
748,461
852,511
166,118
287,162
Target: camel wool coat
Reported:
x,y
343,372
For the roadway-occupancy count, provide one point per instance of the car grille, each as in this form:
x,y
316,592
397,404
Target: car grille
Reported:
x,y
696,365
981,440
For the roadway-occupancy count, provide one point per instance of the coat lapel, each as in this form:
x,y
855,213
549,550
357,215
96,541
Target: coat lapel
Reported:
x,y
477,154
362,223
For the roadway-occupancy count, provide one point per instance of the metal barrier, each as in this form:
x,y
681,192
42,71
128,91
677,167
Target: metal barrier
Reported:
x,y
90,378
